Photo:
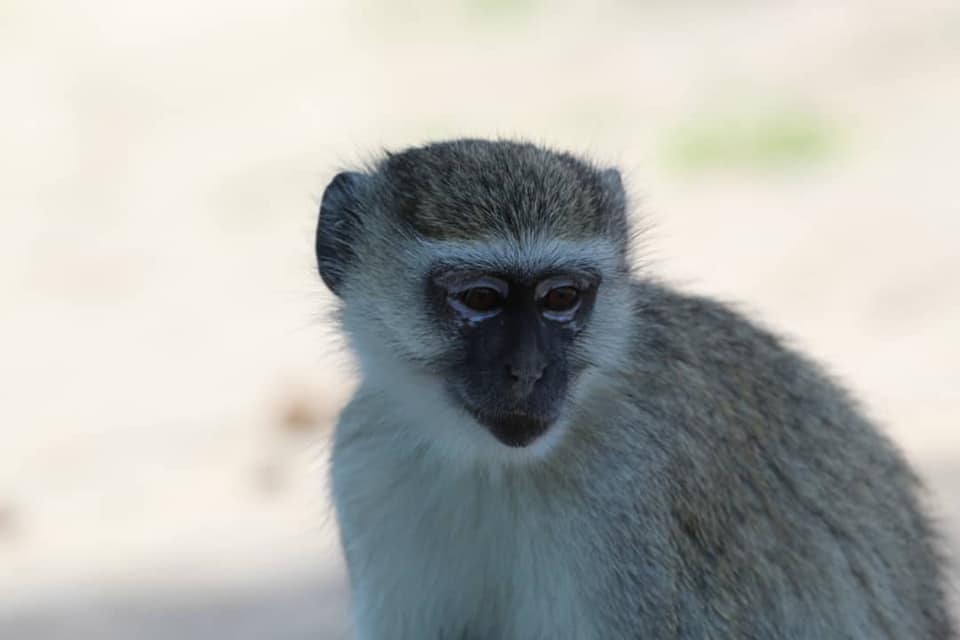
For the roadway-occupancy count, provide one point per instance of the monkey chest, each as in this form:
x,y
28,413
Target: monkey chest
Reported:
x,y
461,561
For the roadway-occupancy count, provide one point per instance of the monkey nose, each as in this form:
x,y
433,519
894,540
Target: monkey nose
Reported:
x,y
524,377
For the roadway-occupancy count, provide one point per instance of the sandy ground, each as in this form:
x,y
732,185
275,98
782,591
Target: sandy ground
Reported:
x,y
169,378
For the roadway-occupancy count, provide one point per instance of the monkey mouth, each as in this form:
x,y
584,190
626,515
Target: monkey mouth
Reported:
x,y
514,429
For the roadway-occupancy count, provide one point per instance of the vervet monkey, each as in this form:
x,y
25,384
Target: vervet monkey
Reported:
x,y
546,444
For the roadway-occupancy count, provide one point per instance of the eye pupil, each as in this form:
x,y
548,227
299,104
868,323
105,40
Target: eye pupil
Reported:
x,y
481,298
561,298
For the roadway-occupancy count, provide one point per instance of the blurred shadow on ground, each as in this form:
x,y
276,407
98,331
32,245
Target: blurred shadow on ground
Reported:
x,y
313,609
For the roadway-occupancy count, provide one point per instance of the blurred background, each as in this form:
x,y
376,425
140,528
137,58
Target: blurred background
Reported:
x,y
168,376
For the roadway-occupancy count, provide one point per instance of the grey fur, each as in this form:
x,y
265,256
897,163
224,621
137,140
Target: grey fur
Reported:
x,y
709,482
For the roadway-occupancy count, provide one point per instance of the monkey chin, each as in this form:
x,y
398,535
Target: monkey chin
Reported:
x,y
515,430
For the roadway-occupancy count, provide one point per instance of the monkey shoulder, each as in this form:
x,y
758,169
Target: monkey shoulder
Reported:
x,y
711,356
780,494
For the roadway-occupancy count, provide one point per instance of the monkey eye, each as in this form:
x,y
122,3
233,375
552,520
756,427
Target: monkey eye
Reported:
x,y
481,299
561,299
477,298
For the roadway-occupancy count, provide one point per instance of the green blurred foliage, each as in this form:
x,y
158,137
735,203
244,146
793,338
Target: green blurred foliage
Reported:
x,y
750,139
400,17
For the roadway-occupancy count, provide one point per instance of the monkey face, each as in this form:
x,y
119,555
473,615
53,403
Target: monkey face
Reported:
x,y
513,338
470,279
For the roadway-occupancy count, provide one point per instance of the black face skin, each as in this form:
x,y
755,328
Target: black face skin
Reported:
x,y
514,365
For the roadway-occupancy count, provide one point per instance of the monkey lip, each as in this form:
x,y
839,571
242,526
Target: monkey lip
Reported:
x,y
515,429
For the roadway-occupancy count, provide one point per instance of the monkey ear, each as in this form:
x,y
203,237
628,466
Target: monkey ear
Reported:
x,y
337,227
613,185
611,180
616,198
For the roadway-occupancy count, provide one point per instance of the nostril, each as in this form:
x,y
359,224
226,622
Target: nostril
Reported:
x,y
525,374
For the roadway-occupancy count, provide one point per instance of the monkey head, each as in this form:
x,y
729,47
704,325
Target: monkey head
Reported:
x,y
480,283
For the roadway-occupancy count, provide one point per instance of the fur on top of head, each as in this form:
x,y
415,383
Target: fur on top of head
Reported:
x,y
467,190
